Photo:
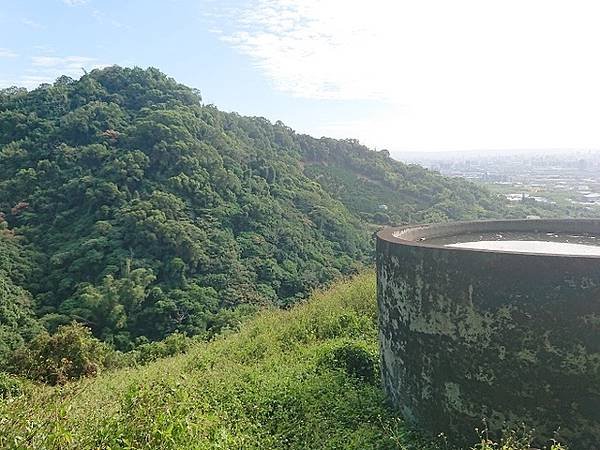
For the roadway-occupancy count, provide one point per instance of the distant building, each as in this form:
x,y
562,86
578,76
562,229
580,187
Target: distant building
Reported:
x,y
515,197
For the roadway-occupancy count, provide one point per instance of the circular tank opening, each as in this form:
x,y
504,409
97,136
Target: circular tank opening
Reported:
x,y
551,237
524,242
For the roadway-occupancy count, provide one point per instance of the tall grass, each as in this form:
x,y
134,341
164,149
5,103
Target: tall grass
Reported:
x,y
305,378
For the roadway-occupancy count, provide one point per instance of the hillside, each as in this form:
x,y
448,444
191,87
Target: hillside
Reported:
x,y
306,378
143,212
381,190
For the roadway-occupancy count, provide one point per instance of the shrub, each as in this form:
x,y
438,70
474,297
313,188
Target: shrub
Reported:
x,y
512,439
71,353
172,345
381,218
355,358
10,386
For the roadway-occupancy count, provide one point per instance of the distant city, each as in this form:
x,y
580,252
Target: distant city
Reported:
x,y
568,179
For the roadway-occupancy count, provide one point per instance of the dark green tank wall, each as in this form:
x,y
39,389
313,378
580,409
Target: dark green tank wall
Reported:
x,y
512,338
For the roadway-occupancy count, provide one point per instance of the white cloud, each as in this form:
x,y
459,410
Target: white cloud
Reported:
x,y
67,63
44,48
75,2
46,69
106,19
32,24
460,74
306,46
33,81
6,53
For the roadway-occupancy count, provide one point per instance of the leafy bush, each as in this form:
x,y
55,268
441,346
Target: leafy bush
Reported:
x,y
172,345
354,358
10,386
71,353
521,439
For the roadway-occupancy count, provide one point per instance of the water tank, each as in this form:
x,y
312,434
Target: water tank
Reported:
x,y
509,337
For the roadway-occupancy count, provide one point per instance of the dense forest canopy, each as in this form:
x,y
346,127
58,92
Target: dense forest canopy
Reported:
x,y
17,318
131,207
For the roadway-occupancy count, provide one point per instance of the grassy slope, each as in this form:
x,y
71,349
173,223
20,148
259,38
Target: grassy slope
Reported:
x,y
264,387
273,385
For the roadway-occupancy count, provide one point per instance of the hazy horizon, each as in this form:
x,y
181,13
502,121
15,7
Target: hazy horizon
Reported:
x,y
494,152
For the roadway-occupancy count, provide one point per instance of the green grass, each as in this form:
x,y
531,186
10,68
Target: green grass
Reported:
x,y
305,378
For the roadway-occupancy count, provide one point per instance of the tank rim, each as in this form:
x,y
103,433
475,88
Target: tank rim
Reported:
x,y
391,234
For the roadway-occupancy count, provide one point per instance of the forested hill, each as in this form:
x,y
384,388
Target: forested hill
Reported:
x,y
129,206
381,190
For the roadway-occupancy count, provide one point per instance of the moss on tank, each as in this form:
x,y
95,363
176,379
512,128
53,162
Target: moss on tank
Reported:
x,y
472,334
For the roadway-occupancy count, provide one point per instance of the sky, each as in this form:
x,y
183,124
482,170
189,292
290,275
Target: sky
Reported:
x,y
406,75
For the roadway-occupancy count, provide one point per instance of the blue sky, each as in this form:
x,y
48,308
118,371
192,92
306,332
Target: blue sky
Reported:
x,y
45,38
397,74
